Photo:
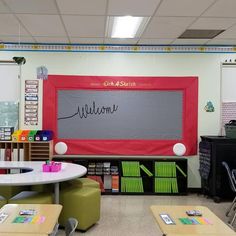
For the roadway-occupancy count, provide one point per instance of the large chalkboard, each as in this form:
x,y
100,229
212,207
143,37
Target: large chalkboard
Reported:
x,y
117,114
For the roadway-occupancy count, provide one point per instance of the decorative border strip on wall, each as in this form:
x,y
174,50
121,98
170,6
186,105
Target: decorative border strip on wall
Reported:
x,y
116,48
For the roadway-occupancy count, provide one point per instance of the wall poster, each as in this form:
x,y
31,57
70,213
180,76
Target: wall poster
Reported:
x,y
31,102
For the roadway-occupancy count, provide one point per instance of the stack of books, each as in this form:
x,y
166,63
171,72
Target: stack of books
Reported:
x,y
166,177
131,180
132,184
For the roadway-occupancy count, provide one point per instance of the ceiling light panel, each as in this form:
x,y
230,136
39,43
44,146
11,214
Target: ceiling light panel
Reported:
x,y
132,7
183,7
32,6
126,26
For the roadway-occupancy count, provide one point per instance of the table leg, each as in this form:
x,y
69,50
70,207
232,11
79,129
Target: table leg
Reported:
x,y
56,193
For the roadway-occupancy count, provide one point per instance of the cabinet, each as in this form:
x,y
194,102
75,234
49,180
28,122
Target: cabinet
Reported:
x,y
26,151
135,175
212,151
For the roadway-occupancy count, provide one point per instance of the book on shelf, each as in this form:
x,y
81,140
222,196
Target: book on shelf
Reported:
x,y
107,181
14,154
145,169
2,154
115,183
21,154
7,154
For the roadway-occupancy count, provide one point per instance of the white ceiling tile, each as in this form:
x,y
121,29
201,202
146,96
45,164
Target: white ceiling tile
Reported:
x,y
52,40
32,6
228,34
167,27
82,7
10,26
3,8
213,23
222,8
16,39
42,25
120,41
183,7
132,7
190,41
85,26
77,40
222,42
155,41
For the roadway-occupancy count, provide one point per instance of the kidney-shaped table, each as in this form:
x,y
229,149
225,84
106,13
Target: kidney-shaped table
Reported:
x,y
33,174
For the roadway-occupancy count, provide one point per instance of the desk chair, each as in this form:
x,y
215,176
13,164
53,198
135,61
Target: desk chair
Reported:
x,y
70,227
232,182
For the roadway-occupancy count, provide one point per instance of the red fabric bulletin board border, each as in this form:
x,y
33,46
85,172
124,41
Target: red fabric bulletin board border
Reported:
x,y
189,86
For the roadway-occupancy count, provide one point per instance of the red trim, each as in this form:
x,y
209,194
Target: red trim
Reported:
x,y
189,86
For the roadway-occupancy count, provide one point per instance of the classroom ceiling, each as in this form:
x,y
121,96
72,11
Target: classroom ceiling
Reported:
x,y
85,21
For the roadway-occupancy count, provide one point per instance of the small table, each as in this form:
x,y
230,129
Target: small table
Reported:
x,y
35,175
51,213
216,228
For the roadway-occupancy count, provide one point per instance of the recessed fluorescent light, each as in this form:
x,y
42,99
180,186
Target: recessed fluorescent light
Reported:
x,y
127,26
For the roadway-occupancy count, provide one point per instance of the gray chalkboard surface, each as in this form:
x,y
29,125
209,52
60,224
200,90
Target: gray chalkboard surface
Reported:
x,y
98,114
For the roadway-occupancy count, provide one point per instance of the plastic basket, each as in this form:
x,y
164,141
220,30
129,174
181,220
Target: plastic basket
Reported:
x,y
230,131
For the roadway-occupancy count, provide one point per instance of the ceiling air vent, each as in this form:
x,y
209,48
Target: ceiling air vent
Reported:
x,y
200,34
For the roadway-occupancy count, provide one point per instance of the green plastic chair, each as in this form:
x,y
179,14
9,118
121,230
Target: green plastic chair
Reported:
x,y
31,197
9,191
3,201
84,182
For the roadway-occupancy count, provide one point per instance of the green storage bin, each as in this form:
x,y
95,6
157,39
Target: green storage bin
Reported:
x,y
230,129
31,135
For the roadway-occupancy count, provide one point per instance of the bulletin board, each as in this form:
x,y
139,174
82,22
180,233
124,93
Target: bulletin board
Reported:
x,y
121,115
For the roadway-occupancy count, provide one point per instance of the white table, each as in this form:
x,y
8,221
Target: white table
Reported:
x,y
37,176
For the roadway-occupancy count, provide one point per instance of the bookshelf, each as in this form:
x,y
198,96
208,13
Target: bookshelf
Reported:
x,y
26,151
134,175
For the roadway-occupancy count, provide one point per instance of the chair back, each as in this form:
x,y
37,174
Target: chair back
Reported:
x,y
55,230
231,181
70,226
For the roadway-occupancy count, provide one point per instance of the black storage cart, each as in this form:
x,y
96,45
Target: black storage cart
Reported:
x,y
212,151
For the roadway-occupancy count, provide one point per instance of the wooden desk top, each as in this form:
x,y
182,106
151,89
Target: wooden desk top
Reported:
x,y
51,213
22,234
216,228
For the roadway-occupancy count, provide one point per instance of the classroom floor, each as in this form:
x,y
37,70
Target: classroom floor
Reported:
x,y
129,215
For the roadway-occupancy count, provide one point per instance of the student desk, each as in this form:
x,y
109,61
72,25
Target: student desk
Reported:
x,y
51,213
216,228
35,175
